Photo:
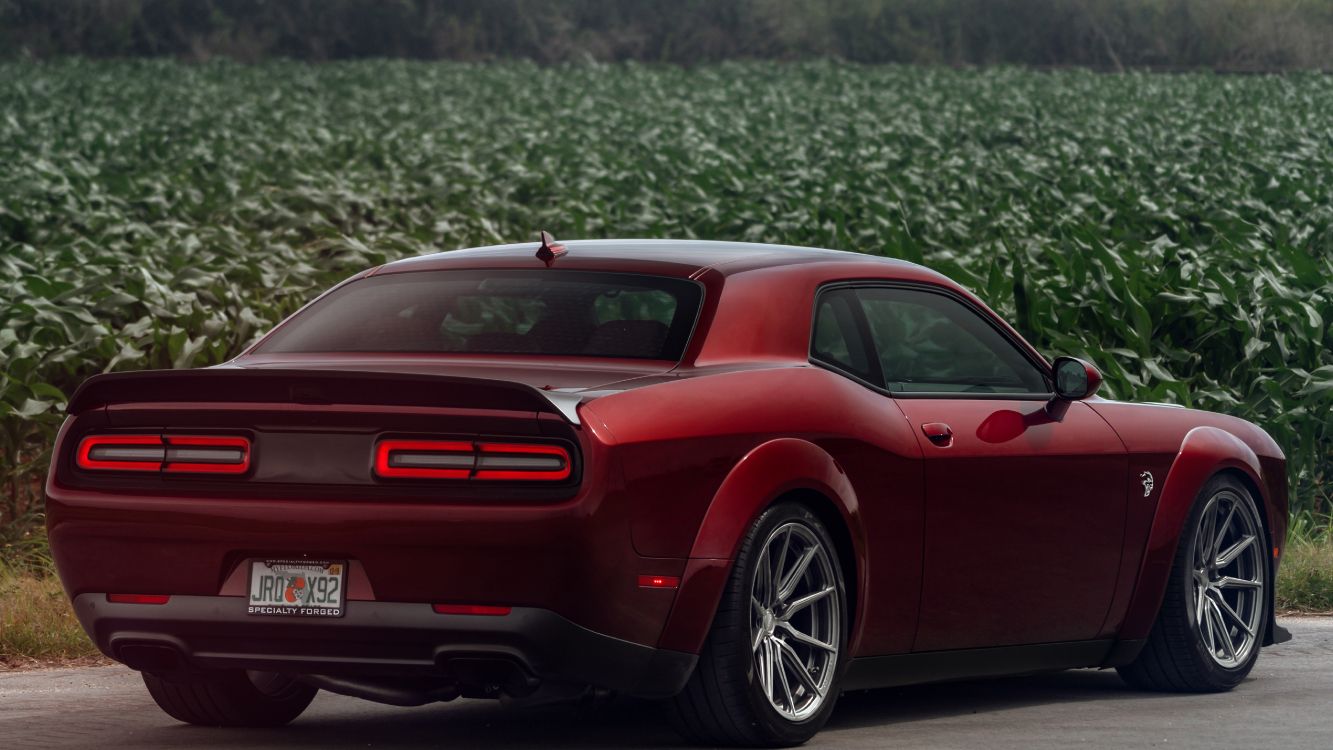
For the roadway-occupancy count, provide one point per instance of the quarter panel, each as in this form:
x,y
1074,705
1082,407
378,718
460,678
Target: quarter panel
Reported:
x,y
685,450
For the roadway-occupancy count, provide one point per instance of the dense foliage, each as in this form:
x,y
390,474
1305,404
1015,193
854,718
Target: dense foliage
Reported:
x,y
1176,229
1230,34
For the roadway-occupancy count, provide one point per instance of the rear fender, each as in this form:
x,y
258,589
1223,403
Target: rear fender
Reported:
x,y
1204,452
768,472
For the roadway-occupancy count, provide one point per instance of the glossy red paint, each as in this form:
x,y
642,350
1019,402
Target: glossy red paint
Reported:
x,y
1024,521
962,521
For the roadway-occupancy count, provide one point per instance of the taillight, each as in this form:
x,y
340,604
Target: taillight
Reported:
x,y
206,454
452,459
174,454
121,453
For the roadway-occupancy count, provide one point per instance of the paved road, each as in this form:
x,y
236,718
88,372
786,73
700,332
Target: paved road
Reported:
x,y
1287,702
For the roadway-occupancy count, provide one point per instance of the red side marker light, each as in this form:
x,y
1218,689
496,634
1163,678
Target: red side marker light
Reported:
x,y
549,249
138,598
659,582
470,609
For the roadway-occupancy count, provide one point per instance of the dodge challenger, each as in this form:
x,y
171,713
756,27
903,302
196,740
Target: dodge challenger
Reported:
x,y
738,478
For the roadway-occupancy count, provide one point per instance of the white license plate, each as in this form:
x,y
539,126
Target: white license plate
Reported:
x,y
301,588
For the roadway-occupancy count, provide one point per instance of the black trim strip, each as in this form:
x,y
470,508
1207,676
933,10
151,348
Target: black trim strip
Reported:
x,y
872,672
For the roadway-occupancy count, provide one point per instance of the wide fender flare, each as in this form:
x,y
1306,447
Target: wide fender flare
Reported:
x,y
1205,451
769,471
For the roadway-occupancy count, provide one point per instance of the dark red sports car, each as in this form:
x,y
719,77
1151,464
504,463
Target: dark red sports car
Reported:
x,y
744,478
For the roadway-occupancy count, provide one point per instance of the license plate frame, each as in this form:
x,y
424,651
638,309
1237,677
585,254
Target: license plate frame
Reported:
x,y
289,587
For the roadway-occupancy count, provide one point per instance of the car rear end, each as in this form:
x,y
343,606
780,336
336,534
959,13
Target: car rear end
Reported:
x,y
399,536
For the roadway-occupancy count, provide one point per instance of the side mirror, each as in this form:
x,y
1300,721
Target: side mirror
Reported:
x,y
1075,379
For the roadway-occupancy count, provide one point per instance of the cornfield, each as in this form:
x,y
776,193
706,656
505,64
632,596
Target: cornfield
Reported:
x,y
1175,229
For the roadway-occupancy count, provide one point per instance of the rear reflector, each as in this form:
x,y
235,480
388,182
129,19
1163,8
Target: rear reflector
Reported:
x,y
452,459
470,609
659,582
175,454
138,598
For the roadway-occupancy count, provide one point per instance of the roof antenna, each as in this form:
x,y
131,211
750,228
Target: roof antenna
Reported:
x,y
549,250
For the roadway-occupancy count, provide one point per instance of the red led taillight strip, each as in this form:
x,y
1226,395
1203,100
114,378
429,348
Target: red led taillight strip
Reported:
x,y
206,454
424,459
121,453
453,459
174,454
522,461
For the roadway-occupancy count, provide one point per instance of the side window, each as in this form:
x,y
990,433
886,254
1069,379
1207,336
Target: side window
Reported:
x,y
836,340
932,343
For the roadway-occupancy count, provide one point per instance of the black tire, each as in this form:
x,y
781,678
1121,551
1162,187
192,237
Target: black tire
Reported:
x,y
1176,657
724,702
232,698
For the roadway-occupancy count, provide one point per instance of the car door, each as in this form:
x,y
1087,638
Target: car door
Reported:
x,y
1025,511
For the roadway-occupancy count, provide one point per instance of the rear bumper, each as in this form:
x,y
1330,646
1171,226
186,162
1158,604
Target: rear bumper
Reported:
x,y
514,652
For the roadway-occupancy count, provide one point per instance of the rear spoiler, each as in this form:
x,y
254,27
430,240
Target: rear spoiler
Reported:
x,y
231,384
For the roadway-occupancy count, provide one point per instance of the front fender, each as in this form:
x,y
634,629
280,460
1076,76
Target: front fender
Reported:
x,y
768,472
1204,452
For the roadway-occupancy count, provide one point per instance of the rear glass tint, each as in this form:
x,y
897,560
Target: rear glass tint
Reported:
x,y
565,313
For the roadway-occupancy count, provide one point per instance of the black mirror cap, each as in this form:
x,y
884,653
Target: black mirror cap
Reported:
x,y
1075,379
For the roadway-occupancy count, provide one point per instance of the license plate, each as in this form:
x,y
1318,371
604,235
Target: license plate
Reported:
x,y
300,588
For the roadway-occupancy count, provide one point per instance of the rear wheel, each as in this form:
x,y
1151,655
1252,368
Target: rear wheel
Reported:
x,y
770,669
232,698
1215,610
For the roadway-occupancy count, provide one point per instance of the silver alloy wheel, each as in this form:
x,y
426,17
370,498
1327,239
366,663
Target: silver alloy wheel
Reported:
x,y
1228,588
795,627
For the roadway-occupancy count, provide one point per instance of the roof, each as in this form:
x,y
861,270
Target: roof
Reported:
x,y
672,257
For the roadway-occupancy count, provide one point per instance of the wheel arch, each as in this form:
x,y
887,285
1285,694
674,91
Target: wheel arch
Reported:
x,y
777,470
1205,452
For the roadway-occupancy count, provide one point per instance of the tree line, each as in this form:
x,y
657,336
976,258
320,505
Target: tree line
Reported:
x,y
1236,35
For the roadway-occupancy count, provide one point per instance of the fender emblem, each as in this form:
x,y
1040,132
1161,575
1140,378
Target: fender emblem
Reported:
x,y
1146,478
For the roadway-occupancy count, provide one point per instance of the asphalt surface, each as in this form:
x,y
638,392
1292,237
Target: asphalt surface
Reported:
x,y
1287,702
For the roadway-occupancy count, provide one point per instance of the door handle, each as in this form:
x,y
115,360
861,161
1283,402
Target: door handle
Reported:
x,y
938,433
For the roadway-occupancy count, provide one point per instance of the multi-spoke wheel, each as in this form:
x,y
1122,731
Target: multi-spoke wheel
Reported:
x,y
769,672
795,620
1215,610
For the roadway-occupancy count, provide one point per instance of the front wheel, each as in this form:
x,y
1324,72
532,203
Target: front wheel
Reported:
x,y
1215,610
770,669
231,699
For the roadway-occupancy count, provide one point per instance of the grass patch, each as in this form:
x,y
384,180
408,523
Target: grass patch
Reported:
x,y
37,625
1305,580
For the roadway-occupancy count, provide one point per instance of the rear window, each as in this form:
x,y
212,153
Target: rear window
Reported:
x,y
566,313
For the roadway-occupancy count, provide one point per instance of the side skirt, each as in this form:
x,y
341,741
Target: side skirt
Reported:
x,y
870,672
